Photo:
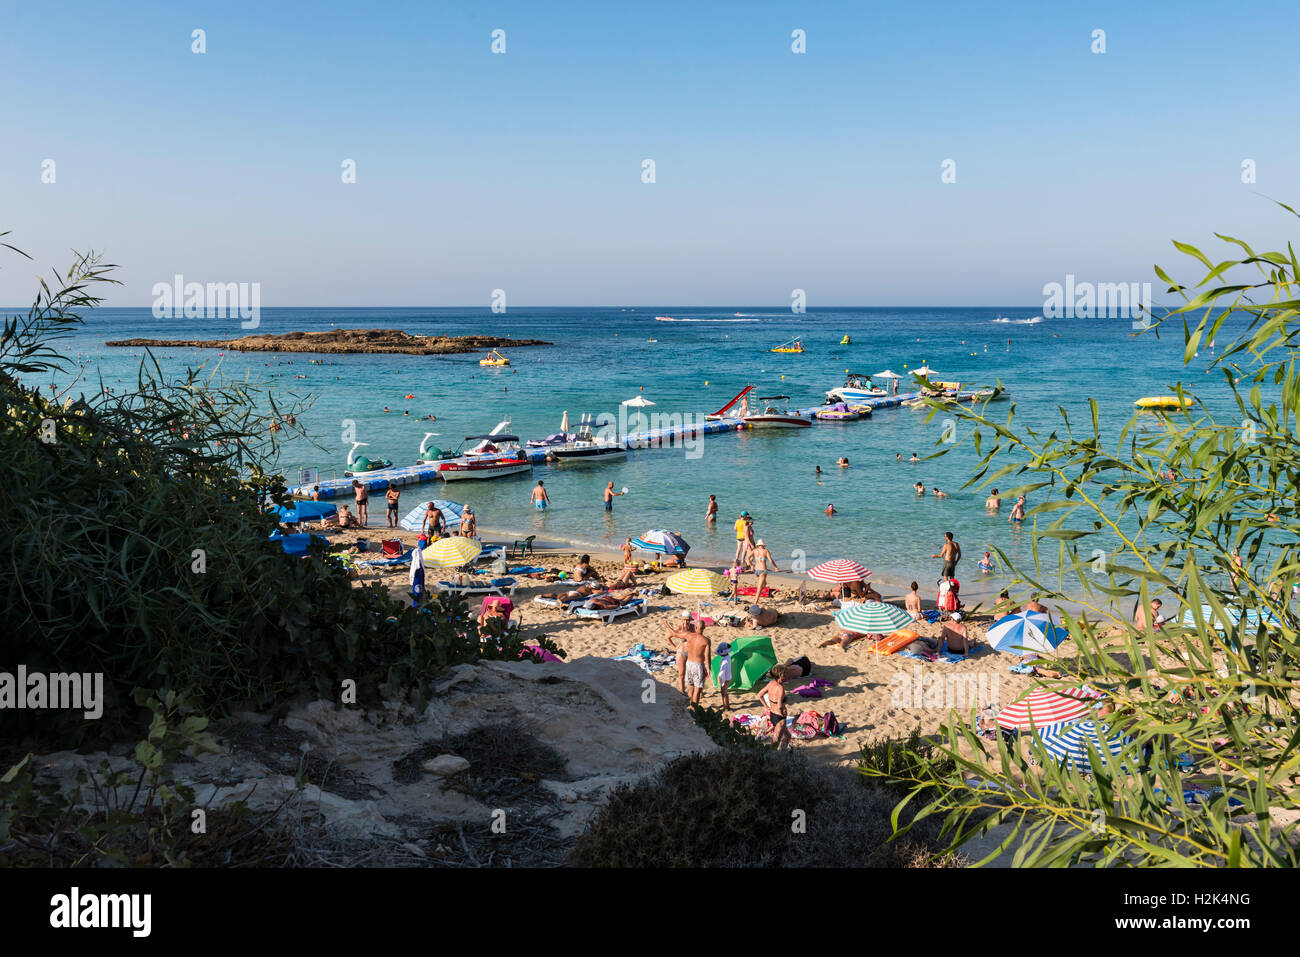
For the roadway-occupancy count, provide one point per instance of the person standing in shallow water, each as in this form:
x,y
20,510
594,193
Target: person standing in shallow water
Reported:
x,y
392,496
609,496
362,497
711,514
540,499
951,555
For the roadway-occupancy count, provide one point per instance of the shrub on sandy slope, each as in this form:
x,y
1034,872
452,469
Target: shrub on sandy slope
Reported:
x,y
746,808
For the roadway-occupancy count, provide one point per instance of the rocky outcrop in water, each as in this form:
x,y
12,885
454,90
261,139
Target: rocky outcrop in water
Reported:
x,y
341,341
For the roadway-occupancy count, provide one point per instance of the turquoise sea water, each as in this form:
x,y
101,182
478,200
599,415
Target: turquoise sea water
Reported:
x,y
603,356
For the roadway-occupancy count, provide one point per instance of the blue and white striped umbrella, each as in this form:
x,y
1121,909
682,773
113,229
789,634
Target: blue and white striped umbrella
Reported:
x,y
662,542
1069,742
451,511
1026,633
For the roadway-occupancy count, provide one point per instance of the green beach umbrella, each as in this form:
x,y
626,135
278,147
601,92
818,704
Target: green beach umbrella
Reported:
x,y
751,659
872,617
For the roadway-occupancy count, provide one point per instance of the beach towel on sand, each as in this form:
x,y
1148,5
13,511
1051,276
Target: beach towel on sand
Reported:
x,y
749,590
813,689
651,662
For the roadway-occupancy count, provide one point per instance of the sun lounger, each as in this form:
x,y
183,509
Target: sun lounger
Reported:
x,y
636,606
497,586
397,560
566,605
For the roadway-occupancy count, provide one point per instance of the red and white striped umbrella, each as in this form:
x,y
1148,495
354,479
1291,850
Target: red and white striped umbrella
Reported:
x,y
839,571
1046,707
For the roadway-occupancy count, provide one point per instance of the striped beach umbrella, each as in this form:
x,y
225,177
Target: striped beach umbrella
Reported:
x,y
839,571
662,542
696,581
872,617
1026,633
451,512
452,552
1069,742
1046,707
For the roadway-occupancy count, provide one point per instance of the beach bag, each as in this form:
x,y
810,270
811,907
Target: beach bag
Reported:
x,y
392,547
806,726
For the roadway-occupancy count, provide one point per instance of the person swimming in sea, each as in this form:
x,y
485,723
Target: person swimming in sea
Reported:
x,y
830,509
842,462
919,488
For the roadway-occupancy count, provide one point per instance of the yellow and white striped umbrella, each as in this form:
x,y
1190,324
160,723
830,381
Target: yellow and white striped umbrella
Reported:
x,y
696,581
452,552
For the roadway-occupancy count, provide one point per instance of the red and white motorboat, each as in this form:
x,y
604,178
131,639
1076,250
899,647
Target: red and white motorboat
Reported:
x,y
770,418
496,454
483,467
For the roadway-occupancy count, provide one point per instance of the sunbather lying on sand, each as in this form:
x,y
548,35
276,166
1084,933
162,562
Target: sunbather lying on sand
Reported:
x,y
844,639
760,617
582,591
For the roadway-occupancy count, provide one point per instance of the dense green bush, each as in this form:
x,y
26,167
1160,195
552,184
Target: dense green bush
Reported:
x,y
134,543
748,807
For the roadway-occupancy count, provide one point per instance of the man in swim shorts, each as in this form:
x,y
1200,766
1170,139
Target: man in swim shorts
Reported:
x,y
698,654
609,496
392,496
540,498
1018,511
951,555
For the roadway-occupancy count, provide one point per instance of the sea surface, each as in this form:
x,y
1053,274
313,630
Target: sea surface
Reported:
x,y
603,356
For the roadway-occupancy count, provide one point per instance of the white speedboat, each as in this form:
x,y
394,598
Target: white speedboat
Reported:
x,y
581,450
587,448
856,388
773,418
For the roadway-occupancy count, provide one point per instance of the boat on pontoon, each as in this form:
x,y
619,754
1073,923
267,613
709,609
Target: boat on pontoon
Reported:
x,y
856,388
587,448
360,464
839,412
490,456
771,417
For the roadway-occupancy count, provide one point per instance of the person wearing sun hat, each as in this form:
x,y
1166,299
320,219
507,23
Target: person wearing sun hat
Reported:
x,y
724,672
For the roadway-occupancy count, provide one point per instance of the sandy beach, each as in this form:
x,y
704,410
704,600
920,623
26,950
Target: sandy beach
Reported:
x,y
873,695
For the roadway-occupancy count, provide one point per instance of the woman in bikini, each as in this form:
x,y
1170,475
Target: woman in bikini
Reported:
x,y
773,698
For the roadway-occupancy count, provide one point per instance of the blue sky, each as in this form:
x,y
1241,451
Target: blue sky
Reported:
x,y
522,171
